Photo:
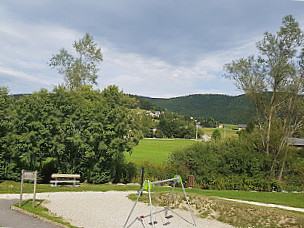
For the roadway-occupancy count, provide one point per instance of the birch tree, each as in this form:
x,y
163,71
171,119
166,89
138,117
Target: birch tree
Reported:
x,y
273,80
81,69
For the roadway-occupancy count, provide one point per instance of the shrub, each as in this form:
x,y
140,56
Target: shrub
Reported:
x,y
224,165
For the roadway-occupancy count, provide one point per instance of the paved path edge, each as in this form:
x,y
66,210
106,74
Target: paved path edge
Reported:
x,y
37,216
269,205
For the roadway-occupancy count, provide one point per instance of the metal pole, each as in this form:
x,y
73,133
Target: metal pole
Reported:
x,y
20,201
188,204
163,181
135,203
170,200
151,208
142,173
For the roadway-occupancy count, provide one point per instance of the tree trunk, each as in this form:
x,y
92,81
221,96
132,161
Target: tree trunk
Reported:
x,y
268,133
281,172
283,166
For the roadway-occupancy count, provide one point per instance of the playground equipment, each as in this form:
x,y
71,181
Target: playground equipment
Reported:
x,y
147,186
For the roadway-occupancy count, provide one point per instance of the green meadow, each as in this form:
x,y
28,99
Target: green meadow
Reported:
x,y
156,150
229,132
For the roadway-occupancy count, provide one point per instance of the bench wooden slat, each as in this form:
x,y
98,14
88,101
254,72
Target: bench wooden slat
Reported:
x,y
65,178
64,181
59,175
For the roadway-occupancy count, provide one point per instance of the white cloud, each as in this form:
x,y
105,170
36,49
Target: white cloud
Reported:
x,y
154,77
138,53
19,75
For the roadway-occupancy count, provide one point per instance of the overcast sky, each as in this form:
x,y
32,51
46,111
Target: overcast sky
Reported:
x,y
159,48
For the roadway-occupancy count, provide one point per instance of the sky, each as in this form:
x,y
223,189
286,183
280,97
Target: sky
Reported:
x,y
159,48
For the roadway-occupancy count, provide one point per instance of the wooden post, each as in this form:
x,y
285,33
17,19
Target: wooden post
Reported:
x,y
35,185
190,181
28,175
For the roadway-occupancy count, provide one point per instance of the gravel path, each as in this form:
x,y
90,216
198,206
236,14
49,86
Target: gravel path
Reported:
x,y
111,209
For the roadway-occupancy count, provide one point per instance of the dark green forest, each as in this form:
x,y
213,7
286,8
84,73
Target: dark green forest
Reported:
x,y
222,108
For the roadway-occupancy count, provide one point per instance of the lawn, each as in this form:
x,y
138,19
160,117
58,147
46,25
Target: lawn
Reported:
x,y
14,188
156,150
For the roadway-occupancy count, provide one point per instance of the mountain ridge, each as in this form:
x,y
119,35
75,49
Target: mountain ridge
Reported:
x,y
221,107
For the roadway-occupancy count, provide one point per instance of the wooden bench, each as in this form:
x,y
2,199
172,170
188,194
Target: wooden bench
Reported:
x,y
65,178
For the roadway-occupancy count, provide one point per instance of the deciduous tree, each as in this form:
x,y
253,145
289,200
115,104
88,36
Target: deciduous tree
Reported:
x,y
81,69
274,80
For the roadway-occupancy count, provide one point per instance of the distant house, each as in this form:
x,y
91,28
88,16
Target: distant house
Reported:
x,y
297,142
242,126
156,114
221,126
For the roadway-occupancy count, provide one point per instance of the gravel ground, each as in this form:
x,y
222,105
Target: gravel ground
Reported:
x,y
111,209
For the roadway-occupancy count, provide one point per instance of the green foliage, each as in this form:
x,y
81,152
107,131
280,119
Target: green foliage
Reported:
x,y
216,135
273,80
210,107
224,165
145,104
173,125
79,70
70,131
5,102
146,124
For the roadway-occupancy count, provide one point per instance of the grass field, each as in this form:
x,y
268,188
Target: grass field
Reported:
x,y
156,150
225,133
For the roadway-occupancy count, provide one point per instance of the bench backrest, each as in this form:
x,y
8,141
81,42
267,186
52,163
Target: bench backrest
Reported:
x,y
59,175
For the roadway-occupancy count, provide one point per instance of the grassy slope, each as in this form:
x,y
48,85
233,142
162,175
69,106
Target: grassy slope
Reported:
x,y
156,150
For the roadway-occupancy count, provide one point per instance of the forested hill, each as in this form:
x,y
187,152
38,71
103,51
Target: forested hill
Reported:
x,y
223,108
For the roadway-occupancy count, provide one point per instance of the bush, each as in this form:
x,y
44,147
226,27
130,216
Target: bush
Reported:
x,y
216,135
224,165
